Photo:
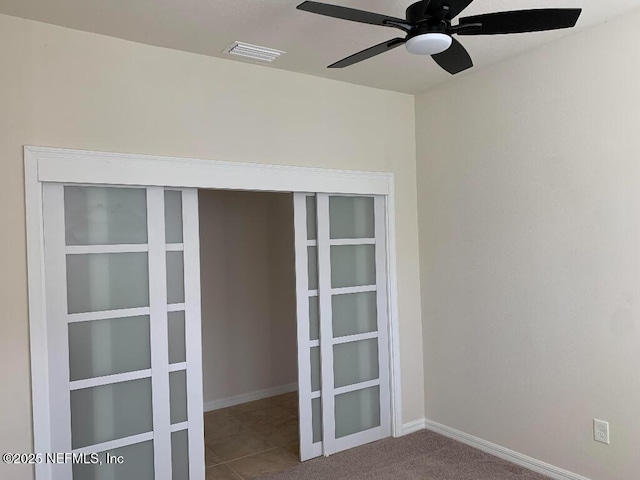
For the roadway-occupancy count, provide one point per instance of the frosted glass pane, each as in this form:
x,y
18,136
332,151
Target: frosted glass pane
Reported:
x,y
353,265
137,465
315,369
357,411
351,217
180,455
314,319
354,313
108,412
355,362
175,277
312,264
107,281
177,345
178,396
312,225
316,419
173,216
105,215
107,347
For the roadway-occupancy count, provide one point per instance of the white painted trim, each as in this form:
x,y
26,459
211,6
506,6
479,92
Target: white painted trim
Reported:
x,y
161,407
86,167
176,307
352,241
308,449
358,386
249,397
118,443
108,314
193,332
37,315
359,438
109,379
393,315
512,456
84,249
382,299
413,427
56,327
355,338
327,394
178,427
350,290
177,367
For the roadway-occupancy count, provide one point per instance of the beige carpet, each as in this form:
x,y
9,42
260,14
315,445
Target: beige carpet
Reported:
x,y
421,456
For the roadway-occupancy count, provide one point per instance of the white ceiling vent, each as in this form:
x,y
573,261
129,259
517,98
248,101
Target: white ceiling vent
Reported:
x,y
254,51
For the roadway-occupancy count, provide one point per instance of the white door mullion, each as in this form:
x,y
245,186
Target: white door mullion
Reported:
x,y
302,314
326,347
58,339
159,333
193,333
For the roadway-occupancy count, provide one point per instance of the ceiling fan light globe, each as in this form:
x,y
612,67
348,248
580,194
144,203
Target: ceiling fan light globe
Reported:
x,y
429,43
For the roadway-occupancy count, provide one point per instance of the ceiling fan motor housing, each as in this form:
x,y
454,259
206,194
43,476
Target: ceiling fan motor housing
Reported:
x,y
419,13
428,36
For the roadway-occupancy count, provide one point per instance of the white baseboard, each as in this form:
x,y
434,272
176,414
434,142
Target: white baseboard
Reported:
x,y
249,397
413,427
511,456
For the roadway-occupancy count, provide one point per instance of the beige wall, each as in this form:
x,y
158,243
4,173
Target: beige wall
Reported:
x,y
65,88
529,209
248,292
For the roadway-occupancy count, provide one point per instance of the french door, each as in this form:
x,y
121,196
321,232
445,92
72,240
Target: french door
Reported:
x,y
343,364
122,304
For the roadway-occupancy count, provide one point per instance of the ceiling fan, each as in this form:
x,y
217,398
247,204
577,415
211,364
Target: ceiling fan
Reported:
x,y
429,30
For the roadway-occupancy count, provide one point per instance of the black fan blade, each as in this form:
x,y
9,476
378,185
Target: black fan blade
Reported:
x,y
455,7
455,59
352,14
368,53
521,21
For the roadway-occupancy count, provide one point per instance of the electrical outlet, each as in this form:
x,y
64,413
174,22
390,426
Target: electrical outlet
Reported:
x,y
601,431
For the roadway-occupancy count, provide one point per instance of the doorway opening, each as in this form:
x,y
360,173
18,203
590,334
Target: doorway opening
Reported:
x,y
249,356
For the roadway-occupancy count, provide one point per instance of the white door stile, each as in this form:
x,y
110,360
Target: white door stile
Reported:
x,y
56,314
193,333
383,319
302,311
159,333
326,329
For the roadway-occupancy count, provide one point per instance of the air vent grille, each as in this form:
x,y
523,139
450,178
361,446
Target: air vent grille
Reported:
x,y
254,51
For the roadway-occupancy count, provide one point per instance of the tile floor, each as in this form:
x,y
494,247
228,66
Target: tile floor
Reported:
x,y
252,439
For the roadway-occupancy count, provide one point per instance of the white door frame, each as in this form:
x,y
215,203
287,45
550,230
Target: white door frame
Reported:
x,y
87,167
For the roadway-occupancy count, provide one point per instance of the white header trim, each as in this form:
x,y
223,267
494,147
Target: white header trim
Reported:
x,y
79,166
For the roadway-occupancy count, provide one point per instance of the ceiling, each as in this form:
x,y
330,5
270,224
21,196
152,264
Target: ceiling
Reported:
x,y
311,41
